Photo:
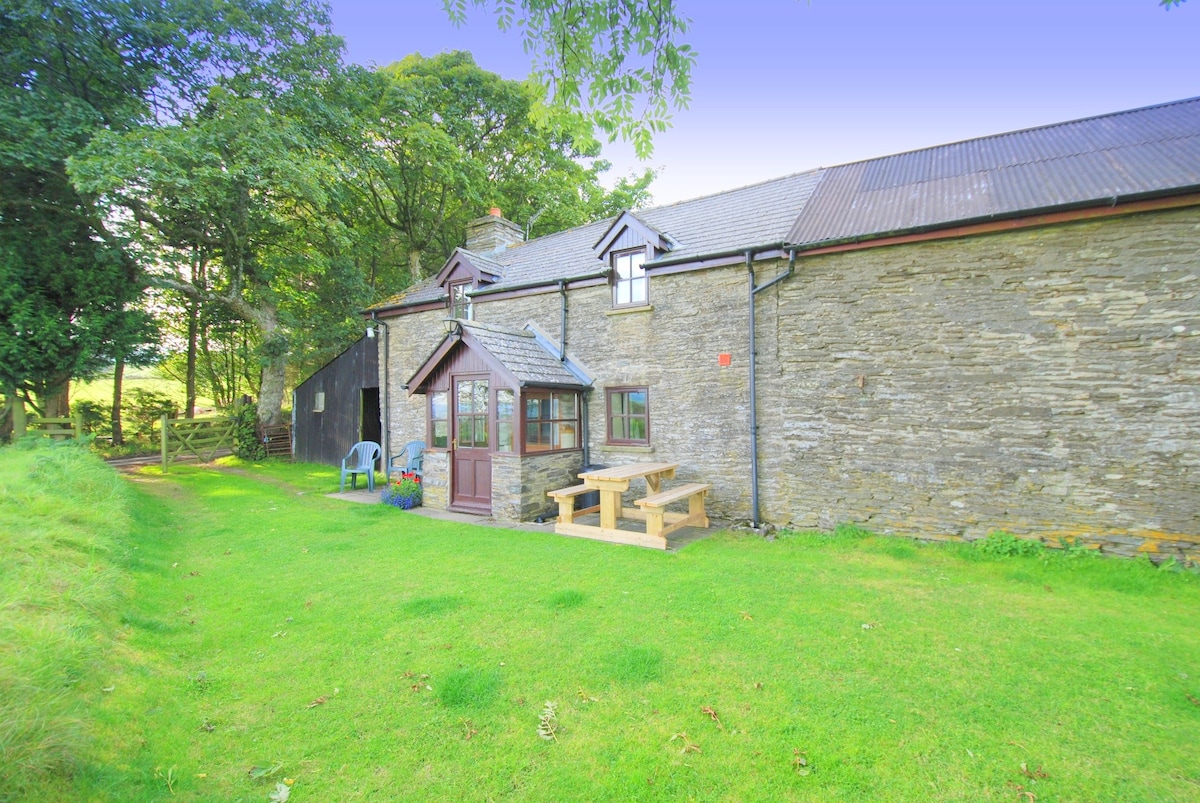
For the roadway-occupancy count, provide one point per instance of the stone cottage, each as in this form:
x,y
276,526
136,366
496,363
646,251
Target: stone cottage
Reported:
x,y
1002,333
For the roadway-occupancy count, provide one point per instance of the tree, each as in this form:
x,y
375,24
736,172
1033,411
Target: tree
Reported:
x,y
605,57
445,140
73,69
247,179
67,69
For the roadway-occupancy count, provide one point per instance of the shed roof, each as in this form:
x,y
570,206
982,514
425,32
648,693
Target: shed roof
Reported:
x,y
1106,159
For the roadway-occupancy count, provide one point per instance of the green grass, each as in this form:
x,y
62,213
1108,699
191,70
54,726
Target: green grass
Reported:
x,y
372,654
63,521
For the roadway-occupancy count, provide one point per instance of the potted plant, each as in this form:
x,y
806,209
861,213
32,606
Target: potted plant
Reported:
x,y
404,493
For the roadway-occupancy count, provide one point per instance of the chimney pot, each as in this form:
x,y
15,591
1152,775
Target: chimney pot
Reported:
x,y
495,212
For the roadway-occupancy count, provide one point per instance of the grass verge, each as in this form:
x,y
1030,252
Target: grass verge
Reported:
x,y
64,519
363,652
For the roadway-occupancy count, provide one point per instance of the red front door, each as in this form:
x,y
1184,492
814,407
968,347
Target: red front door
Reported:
x,y
470,455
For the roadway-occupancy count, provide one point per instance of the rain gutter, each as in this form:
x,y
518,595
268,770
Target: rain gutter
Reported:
x,y
487,291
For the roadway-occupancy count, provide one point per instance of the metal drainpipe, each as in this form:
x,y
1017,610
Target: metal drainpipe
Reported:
x,y
753,401
562,324
383,386
754,374
562,357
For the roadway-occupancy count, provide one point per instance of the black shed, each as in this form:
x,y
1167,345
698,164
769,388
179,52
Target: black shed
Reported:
x,y
338,405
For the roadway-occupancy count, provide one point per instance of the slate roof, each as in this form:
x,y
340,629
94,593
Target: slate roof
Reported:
x,y
1115,157
523,355
744,217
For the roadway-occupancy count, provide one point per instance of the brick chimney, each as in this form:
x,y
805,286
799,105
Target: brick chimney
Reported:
x,y
492,233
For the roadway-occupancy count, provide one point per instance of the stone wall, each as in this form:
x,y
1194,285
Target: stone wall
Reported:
x,y
698,409
520,482
1042,382
410,340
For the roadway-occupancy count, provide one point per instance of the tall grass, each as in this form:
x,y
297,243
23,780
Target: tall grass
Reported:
x,y
63,518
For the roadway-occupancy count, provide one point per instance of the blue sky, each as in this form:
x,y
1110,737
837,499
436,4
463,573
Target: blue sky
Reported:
x,y
785,85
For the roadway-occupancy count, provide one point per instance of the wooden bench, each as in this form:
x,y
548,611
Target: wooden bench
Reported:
x,y
566,502
657,516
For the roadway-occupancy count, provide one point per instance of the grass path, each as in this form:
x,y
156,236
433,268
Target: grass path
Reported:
x,y
370,654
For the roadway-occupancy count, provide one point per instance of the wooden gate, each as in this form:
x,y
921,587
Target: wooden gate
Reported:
x,y
57,427
203,437
277,440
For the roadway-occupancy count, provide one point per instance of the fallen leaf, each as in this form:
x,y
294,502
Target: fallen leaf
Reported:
x,y
260,771
316,702
113,688
800,762
1190,697
746,616
688,745
708,709
281,794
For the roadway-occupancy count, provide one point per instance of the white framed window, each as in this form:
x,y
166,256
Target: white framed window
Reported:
x,y
631,286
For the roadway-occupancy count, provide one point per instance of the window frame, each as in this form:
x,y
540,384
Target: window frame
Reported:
x,y
617,281
466,287
433,422
547,394
510,420
608,415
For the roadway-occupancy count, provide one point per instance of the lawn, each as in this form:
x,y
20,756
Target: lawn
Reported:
x,y
269,635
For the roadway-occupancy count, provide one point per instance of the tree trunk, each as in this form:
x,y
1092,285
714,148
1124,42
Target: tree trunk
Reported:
x,y
273,351
118,437
270,393
189,407
56,400
414,264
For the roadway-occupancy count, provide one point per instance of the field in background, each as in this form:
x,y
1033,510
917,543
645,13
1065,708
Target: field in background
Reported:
x,y
100,390
357,652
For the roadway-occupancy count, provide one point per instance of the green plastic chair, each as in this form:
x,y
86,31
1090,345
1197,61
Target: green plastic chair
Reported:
x,y
411,460
361,460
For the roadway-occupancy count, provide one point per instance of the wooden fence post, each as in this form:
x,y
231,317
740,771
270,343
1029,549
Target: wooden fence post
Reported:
x,y
20,422
163,434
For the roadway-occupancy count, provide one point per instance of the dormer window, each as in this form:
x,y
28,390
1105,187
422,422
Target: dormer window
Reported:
x,y
626,246
460,302
631,286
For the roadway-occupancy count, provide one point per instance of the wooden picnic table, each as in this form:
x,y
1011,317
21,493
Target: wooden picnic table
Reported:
x,y
612,483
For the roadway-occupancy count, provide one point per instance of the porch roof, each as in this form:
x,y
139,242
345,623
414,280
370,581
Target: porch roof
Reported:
x,y
521,356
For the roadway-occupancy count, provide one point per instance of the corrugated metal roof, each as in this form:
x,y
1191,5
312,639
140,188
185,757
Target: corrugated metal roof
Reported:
x,y
522,354
1096,160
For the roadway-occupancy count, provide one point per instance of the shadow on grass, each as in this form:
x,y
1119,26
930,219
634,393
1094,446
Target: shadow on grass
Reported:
x,y
431,606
